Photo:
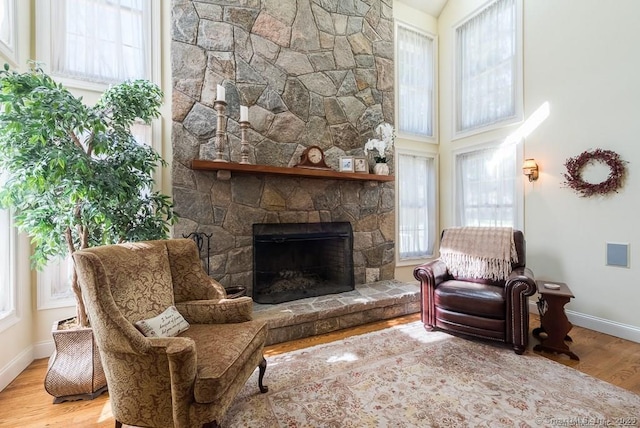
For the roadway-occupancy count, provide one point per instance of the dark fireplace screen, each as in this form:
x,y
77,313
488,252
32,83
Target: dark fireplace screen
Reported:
x,y
297,260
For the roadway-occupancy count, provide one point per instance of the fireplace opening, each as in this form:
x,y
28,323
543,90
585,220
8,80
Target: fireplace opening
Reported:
x,y
297,260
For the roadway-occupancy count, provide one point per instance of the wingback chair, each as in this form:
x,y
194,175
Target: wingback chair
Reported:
x,y
184,381
479,307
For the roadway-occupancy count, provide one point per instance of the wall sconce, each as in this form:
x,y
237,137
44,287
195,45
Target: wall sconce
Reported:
x,y
530,169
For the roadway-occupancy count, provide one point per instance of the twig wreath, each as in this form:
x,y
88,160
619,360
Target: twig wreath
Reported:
x,y
576,165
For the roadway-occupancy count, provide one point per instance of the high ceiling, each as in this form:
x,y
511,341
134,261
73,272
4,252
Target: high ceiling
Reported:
x,y
432,7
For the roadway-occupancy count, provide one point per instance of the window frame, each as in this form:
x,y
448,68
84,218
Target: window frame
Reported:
x,y
518,82
434,89
44,39
10,51
11,316
46,298
431,154
519,182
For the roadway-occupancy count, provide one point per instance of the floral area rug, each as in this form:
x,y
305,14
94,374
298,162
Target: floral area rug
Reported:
x,y
405,376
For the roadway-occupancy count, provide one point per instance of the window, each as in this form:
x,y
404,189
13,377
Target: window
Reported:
x,y
7,267
8,29
54,284
54,280
99,41
416,82
489,67
89,44
487,191
416,205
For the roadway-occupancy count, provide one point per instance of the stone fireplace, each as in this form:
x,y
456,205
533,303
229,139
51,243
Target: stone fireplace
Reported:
x,y
312,72
298,260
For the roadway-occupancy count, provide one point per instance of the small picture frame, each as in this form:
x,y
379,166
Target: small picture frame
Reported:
x,y
346,164
360,165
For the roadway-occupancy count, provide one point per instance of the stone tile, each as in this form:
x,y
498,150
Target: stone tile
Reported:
x,y
334,312
413,307
327,325
327,305
361,317
297,331
394,311
287,319
365,305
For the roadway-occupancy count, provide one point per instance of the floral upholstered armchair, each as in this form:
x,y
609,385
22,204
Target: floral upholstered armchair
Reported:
x,y
175,351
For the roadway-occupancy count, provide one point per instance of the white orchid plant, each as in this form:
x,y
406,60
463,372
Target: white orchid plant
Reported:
x,y
383,144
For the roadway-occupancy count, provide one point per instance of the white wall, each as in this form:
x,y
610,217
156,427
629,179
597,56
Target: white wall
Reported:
x,y
590,77
579,57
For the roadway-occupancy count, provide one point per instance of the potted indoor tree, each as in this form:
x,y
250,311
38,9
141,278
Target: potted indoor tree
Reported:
x,y
75,177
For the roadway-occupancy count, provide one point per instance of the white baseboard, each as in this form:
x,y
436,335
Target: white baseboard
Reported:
x,y
613,328
16,366
43,349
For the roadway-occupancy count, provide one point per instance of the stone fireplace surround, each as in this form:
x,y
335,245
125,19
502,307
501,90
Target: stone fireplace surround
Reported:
x,y
313,72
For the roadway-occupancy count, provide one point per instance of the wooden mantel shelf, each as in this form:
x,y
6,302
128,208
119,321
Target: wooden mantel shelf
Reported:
x,y
207,165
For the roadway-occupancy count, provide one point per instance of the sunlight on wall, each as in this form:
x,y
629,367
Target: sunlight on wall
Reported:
x,y
529,125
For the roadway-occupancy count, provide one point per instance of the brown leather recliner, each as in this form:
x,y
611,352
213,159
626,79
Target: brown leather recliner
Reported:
x,y
497,310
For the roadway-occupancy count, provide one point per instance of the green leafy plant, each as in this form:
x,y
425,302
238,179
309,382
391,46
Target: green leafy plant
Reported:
x,y
74,175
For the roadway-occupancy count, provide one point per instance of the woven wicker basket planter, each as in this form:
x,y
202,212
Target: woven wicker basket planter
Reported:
x,y
75,369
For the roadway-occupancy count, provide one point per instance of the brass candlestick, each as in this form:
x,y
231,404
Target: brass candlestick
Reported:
x,y
221,130
244,146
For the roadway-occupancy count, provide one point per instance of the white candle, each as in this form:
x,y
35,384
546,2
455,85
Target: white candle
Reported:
x,y
244,114
220,93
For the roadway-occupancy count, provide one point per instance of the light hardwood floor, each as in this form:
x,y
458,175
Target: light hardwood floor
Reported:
x,y
25,404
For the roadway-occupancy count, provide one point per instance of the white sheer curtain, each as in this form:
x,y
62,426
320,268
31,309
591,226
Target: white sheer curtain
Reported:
x,y
101,40
415,82
486,193
417,206
142,133
7,24
487,66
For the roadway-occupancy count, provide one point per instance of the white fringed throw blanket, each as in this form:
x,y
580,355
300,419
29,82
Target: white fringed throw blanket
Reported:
x,y
479,252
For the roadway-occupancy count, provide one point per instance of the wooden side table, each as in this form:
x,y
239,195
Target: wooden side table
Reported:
x,y
553,320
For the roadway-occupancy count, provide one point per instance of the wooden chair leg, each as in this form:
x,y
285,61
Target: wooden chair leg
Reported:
x,y
263,367
118,424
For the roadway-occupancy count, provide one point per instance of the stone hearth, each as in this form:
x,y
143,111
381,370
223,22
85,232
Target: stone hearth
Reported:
x,y
318,315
